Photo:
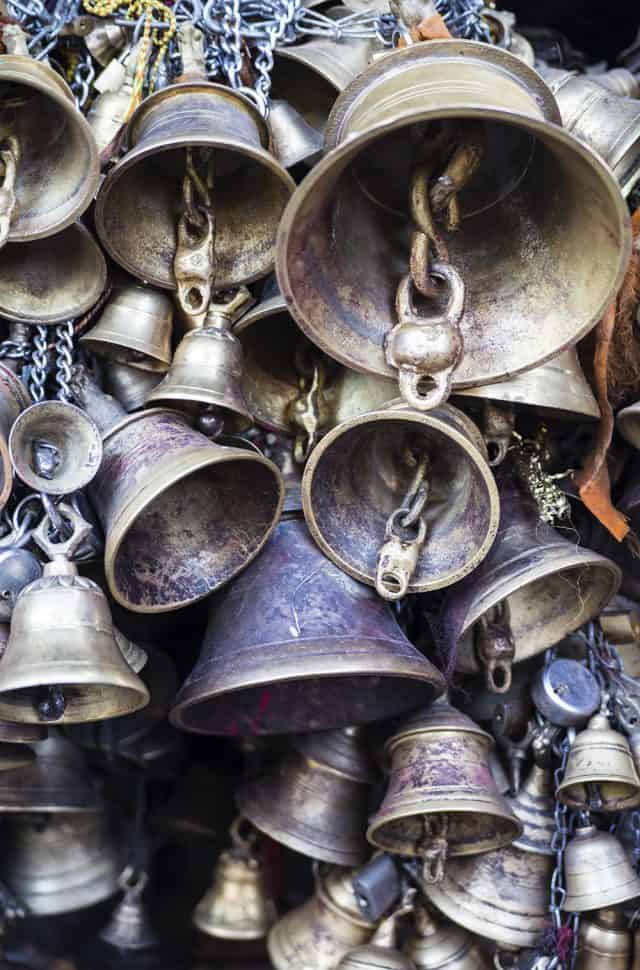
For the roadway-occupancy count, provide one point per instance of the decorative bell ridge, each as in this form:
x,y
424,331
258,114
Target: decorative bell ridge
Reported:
x,y
129,928
134,329
598,873
441,799
437,944
57,781
315,799
181,514
238,905
71,273
295,644
358,484
605,941
379,954
14,398
130,386
341,281
50,156
323,930
59,863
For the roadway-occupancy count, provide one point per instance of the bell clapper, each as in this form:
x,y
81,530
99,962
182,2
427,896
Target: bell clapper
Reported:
x,y
308,413
194,262
495,647
433,847
398,555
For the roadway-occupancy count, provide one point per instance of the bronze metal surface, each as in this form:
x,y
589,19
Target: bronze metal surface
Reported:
x,y
129,385
597,871
134,329
238,905
604,941
600,756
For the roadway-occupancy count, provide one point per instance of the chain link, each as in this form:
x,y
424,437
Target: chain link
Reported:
x,y
64,359
566,948
39,364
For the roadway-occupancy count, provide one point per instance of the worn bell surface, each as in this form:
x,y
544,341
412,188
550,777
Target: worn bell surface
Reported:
x,y
359,474
238,905
57,781
379,954
293,139
62,862
439,766
134,329
437,944
322,930
604,941
340,281
57,169
600,772
315,798
138,202
130,386
296,645
14,398
52,280
597,871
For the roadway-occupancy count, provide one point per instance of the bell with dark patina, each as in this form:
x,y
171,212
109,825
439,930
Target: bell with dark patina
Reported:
x,y
598,873
134,329
437,944
600,774
293,140
57,781
605,940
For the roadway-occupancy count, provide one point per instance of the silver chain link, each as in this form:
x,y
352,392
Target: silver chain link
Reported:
x,y
64,359
83,77
39,364
563,819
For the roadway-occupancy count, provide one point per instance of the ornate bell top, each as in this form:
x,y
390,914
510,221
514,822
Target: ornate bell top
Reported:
x,y
440,716
343,751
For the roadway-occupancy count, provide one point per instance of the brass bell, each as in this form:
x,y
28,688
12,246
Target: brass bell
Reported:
x,y
59,863
295,645
341,281
51,169
238,905
181,514
129,928
437,944
134,328
130,386
600,773
315,799
441,800
71,272
628,420
604,942
533,589
598,873
62,662
57,781
14,398
293,139
379,954
55,447
321,931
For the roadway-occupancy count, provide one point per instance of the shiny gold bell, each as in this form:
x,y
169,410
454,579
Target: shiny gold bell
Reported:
x,y
238,905
379,954
315,799
437,944
441,799
598,873
604,941
57,781
14,398
134,329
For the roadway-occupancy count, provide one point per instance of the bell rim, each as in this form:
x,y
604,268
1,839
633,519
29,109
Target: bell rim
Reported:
x,y
176,394
454,807
435,421
22,400
137,695
22,733
593,901
154,363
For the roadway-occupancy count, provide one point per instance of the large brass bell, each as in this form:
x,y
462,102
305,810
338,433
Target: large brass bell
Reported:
x,y
59,863
379,954
130,386
57,781
14,398
441,799
134,328
341,280
62,662
354,489
315,799
604,941
41,122
437,944
598,873
238,905
323,930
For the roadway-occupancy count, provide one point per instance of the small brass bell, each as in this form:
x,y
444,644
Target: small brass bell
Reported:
x,y
598,873
238,905
605,941
57,781
293,139
437,944
379,954
315,799
600,773
323,930
534,805
134,329
130,386
62,662
129,928
14,398
441,799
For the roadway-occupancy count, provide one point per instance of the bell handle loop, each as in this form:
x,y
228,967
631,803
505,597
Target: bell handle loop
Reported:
x,y
497,448
54,550
452,312
498,676
395,556
245,842
433,866
409,382
194,265
133,881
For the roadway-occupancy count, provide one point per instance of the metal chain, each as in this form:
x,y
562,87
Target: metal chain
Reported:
x,y
83,77
565,932
278,31
64,359
39,364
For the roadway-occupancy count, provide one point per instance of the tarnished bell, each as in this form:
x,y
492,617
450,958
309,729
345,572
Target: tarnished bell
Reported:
x,y
315,799
181,514
52,280
533,588
140,197
321,931
340,280
130,386
605,942
134,328
58,781
597,871
14,398
440,787
296,645
437,944
600,773
359,474
54,161
379,954
61,863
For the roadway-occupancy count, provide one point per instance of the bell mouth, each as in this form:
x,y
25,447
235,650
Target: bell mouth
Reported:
x,y
618,795
85,701
471,829
305,88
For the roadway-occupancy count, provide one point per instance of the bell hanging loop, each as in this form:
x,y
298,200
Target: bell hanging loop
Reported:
x,y
434,854
194,261
496,649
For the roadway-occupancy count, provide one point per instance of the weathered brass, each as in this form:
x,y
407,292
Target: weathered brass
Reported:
x,y
600,773
293,139
139,201
315,799
379,954
134,328
128,385
57,781
340,276
57,169
441,791
14,398
628,424
321,931
620,80
605,941
359,473
55,447
598,873
61,863
129,927
437,944
49,281
295,645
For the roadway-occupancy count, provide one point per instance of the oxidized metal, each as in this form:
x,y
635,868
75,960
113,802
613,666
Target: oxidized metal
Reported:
x,y
605,941
134,328
315,799
57,781
14,398
600,773
436,944
130,386
597,871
